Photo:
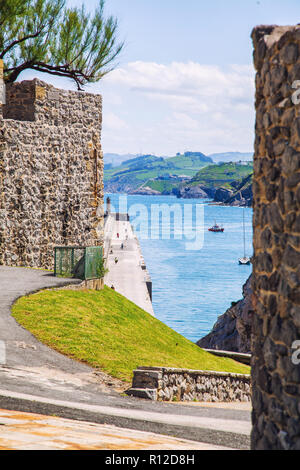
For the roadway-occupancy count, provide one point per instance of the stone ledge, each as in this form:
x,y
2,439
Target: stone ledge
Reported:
x,y
148,393
173,384
240,357
171,370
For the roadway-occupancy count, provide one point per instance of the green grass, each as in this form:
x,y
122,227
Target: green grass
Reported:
x,y
221,175
142,172
161,186
105,330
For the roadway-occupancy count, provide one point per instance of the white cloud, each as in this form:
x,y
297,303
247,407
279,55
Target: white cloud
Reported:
x,y
185,79
182,105
113,122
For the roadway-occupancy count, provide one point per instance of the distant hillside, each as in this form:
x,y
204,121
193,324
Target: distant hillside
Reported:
x,y
221,182
231,157
222,174
201,155
141,161
148,171
188,175
116,159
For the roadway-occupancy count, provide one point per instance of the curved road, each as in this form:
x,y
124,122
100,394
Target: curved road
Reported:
x,y
37,379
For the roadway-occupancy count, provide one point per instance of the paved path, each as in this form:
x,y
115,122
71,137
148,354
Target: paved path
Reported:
x,y
25,356
216,426
27,431
21,346
36,379
126,275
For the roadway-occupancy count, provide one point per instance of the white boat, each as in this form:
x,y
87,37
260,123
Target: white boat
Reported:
x,y
245,260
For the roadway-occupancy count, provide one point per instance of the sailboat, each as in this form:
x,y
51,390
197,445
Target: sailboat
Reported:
x,y
245,260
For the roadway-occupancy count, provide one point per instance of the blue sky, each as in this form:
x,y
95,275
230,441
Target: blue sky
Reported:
x,y
185,79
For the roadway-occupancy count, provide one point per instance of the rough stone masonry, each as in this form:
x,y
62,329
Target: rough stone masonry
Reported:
x,y
51,172
171,384
276,221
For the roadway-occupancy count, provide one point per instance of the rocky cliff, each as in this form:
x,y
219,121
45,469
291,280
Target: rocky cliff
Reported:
x,y
194,192
243,196
145,191
232,331
222,195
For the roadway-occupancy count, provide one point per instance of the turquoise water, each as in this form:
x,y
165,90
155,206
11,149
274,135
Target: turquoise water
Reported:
x,y
191,288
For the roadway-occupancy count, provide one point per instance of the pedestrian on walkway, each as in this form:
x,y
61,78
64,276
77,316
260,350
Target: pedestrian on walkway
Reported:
x,y
116,260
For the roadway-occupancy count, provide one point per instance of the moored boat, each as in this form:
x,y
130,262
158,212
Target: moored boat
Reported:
x,y
216,228
245,260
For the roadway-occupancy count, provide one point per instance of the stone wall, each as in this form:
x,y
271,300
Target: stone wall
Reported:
x,y
168,384
51,172
276,221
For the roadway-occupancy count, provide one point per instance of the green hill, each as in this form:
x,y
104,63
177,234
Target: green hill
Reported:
x,y
172,175
141,171
222,175
107,331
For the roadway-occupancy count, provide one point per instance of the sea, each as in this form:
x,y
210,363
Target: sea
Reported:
x,y
195,273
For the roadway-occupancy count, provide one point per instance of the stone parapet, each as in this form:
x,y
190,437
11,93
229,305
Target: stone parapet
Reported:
x,y
170,384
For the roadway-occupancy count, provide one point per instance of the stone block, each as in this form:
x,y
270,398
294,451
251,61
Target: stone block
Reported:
x,y
146,393
53,95
40,93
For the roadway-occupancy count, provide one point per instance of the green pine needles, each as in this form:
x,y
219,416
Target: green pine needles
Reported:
x,y
46,36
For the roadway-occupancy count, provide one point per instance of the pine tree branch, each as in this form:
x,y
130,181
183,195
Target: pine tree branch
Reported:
x,y
19,41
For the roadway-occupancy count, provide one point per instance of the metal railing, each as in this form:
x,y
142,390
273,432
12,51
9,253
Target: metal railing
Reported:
x,y
79,262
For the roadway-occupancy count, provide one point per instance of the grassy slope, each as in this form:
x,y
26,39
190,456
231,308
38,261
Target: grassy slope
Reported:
x,y
221,175
173,165
162,186
106,330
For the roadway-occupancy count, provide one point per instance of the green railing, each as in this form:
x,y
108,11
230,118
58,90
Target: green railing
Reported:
x,y
79,262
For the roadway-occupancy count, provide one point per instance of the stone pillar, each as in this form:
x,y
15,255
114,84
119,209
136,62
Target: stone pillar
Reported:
x,y
276,222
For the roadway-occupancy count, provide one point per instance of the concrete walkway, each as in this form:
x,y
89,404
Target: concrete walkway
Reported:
x,y
27,431
216,426
126,275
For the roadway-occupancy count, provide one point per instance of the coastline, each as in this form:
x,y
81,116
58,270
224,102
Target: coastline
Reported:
x,y
185,282
211,203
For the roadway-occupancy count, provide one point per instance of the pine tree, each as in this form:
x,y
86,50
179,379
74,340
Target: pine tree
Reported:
x,y
46,36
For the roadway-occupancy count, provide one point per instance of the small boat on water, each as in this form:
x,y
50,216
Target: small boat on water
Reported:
x,y
216,228
245,260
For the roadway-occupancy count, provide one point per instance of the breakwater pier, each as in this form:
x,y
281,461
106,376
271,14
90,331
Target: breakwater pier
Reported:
x,y
127,272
